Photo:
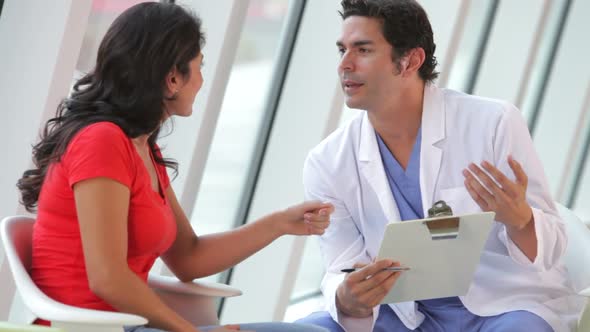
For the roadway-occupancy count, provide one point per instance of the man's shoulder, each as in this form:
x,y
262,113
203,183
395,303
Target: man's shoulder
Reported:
x,y
463,104
341,138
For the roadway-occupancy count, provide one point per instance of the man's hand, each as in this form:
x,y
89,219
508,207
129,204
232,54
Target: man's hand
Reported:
x,y
365,288
506,198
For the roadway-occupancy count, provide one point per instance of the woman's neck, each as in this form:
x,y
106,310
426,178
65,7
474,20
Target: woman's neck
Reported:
x,y
141,142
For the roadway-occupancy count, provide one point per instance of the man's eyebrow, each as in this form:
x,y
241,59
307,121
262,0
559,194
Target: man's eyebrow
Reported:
x,y
356,43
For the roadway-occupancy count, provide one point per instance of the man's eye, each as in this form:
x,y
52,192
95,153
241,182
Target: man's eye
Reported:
x,y
341,51
363,50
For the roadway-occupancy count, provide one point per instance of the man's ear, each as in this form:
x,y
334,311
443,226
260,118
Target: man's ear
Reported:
x,y
404,64
413,61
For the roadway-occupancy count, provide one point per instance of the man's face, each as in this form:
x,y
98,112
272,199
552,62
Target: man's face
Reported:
x,y
367,73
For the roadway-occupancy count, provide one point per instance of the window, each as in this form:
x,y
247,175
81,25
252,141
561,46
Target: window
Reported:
x,y
227,175
103,13
562,124
475,35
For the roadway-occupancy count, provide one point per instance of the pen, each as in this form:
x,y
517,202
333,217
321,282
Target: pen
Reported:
x,y
393,268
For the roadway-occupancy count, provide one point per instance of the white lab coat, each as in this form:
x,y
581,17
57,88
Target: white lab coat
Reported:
x,y
457,129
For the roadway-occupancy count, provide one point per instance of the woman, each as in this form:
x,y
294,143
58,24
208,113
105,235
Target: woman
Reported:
x,y
106,209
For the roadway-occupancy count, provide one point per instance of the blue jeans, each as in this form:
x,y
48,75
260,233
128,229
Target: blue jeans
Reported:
x,y
442,315
257,327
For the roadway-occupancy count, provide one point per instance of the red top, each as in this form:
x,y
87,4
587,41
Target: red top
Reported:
x,y
99,150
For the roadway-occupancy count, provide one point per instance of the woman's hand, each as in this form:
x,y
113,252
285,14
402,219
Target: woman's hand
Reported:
x,y
308,218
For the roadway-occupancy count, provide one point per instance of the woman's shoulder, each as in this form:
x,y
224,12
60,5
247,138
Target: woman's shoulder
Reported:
x,y
99,137
102,129
101,134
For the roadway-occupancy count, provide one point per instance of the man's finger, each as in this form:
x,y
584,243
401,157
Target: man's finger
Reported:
x,y
369,270
479,189
482,204
486,180
373,282
521,176
375,295
359,265
507,185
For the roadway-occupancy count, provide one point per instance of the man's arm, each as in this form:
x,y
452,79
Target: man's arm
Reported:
x,y
495,192
343,246
519,194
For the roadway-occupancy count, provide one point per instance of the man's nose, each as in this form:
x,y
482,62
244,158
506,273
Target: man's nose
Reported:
x,y
346,62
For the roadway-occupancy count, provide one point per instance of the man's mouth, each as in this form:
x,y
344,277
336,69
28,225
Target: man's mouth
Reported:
x,y
351,86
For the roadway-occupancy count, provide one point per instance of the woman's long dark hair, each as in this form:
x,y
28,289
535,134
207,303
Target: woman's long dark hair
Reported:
x,y
126,86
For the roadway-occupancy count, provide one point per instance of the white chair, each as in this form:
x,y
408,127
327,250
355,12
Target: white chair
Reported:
x,y
195,301
577,258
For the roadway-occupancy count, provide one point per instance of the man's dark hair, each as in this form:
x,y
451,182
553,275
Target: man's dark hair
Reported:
x,y
405,26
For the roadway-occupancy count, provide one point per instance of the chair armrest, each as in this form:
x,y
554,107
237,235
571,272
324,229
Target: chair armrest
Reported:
x,y
195,287
194,301
11,327
46,308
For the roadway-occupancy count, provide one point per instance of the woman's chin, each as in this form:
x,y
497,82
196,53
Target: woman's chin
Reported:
x,y
184,113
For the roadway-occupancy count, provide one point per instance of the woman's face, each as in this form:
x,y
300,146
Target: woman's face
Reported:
x,y
186,87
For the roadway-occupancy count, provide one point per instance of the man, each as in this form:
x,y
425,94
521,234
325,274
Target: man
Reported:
x,y
414,145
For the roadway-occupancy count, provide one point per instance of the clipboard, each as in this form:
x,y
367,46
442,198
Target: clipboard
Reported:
x,y
442,252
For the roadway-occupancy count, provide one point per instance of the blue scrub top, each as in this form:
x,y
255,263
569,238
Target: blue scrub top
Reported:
x,y
404,184
405,187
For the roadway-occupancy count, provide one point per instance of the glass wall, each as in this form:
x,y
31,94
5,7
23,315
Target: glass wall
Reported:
x,y
240,117
479,20
562,118
236,139
103,13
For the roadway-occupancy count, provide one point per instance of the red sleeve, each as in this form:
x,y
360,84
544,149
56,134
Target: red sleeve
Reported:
x,y
100,150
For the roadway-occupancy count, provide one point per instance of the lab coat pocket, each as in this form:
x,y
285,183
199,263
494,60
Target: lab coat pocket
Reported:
x,y
459,199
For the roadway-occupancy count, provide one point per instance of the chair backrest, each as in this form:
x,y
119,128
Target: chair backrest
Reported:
x,y
16,233
577,254
17,238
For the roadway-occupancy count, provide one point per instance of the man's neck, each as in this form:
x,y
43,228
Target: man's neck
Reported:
x,y
401,116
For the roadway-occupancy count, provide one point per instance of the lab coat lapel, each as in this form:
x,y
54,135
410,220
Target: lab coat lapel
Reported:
x,y
433,131
371,167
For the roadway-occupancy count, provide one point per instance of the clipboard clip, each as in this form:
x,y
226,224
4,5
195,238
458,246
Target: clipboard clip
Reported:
x,y
441,228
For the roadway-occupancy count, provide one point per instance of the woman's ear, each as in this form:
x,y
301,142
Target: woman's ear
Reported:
x,y
173,84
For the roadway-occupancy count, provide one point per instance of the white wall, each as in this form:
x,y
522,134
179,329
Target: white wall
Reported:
x,y
36,66
40,41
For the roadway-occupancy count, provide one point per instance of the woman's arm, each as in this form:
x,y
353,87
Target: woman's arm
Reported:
x,y
193,256
102,205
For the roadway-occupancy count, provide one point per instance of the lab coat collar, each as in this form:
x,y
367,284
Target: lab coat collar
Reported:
x,y
433,131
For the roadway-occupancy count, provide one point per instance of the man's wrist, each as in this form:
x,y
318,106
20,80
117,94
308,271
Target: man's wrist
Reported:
x,y
358,313
523,226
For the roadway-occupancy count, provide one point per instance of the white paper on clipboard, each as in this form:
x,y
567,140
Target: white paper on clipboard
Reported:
x,y
442,262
